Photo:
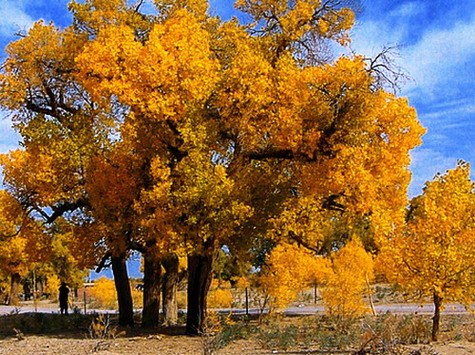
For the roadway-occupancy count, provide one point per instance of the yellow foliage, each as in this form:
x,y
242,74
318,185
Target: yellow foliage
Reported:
x,y
435,255
94,15
287,22
345,286
219,295
155,126
137,298
175,60
10,214
52,286
22,239
242,283
288,270
103,293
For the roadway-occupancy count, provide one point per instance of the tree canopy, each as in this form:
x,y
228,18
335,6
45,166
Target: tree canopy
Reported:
x,y
434,256
184,132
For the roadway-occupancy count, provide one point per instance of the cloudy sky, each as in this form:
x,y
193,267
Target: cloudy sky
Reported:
x,y
437,50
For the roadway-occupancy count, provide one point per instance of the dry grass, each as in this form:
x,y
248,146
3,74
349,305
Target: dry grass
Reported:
x,y
389,334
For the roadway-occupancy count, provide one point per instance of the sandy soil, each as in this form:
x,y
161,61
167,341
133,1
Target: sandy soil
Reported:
x,y
171,345
166,345
44,333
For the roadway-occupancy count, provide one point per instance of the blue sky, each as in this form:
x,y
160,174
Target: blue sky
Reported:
x,y
437,40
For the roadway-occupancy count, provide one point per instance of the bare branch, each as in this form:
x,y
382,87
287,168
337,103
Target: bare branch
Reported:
x,y
385,71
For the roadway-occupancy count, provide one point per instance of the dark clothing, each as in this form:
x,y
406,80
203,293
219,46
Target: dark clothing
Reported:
x,y
63,298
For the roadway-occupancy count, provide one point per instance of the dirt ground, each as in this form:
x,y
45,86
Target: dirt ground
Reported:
x,y
152,344
168,345
41,333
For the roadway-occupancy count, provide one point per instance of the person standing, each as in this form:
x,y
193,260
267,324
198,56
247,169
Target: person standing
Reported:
x,y
63,298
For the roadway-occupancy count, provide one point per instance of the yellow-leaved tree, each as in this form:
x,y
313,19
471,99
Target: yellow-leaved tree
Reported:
x,y
22,243
435,255
289,269
214,129
348,283
103,293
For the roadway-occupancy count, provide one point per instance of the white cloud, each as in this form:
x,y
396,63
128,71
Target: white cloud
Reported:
x,y
14,18
440,114
438,139
441,55
408,9
459,104
369,37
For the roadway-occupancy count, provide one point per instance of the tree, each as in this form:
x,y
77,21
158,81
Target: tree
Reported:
x,y
235,129
22,243
249,105
345,286
283,277
103,293
67,260
61,129
434,255
174,138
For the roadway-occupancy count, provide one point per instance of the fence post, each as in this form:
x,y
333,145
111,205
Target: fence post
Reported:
x,y
85,307
35,301
315,293
247,302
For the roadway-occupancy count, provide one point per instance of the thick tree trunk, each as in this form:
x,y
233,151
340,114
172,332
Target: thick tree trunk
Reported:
x,y
436,318
124,293
14,289
151,291
170,284
200,273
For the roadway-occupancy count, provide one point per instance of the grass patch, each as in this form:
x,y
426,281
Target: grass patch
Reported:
x,y
43,323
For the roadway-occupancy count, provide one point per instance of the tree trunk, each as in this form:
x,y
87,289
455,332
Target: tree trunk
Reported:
x,y
200,267
14,300
170,284
370,296
151,290
124,293
436,318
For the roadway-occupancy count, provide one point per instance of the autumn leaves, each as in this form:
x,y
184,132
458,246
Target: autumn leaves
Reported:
x,y
176,134
433,256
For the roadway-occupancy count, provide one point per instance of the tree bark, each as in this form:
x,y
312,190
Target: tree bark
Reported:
x,y
200,268
169,290
14,300
124,293
436,318
151,291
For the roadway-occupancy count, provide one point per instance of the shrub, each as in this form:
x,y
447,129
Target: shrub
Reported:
x,y
52,286
220,295
137,298
346,286
103,293
280,338
385,334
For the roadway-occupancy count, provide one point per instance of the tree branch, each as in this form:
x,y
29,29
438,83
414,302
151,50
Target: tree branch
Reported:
x,y
103,262
303,243
64,207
